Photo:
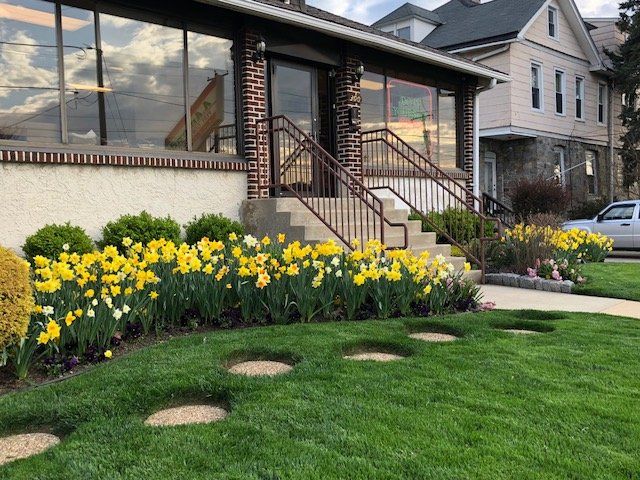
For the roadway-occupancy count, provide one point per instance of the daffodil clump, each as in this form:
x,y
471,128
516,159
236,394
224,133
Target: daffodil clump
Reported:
x,y
551,253
84,301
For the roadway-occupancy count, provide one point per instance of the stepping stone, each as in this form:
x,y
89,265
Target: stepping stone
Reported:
x,y
519,331
186,415
260,368
433,337
374,357
25,445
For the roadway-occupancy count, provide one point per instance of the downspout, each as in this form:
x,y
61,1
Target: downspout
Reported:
x,y
610,131
476,135
476,118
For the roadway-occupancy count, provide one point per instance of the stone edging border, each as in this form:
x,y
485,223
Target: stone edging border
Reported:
x,y
530,283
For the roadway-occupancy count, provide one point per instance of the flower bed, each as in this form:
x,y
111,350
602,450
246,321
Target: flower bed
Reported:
x,y
548,254
86,302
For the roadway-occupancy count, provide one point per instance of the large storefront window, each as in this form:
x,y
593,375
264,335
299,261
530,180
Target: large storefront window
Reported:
x,y
124,81
29,84
422,115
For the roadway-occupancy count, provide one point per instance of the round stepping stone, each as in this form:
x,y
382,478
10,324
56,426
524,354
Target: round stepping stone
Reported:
x,y
374,357
433,337
25,445
186,415
519,331
260,368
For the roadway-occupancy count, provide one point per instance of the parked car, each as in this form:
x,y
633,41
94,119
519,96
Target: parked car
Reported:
x,y
619,221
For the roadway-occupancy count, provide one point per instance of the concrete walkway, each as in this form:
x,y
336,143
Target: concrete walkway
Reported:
x,y
509,298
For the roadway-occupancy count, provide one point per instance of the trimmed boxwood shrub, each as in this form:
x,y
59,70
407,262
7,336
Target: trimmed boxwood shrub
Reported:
x,y
213,226
50,241
16,298
462,225
140,228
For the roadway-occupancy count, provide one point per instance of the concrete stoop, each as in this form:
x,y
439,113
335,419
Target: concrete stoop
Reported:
x,y
270,216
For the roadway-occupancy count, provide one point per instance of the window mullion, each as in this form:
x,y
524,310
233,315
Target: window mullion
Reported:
x,y
61,84
185,82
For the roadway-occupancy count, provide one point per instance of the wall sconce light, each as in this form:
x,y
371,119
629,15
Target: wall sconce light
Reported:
x,y
261,47
358,73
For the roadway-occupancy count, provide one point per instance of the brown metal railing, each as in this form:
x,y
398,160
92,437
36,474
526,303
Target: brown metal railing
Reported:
x,y
443,203
301,168
223,139
495,208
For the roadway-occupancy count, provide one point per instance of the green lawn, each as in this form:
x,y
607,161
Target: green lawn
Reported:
x,y
563,404
615,280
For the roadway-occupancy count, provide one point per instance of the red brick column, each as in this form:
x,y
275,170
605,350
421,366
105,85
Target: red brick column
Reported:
x,y
468,95
349,148
253,93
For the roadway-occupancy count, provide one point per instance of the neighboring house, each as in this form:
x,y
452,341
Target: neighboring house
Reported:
x,y
558,115
109,108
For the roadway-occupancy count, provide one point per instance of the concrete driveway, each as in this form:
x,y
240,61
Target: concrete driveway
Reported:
x,y
509,298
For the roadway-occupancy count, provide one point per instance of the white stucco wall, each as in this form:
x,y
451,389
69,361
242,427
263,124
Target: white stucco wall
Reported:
x,y
33,195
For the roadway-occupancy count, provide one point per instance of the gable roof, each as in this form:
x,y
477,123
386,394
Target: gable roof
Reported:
x,y
312,18
466,23
410,10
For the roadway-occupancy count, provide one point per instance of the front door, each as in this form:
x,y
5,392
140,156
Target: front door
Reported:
x,y
490,180
304,94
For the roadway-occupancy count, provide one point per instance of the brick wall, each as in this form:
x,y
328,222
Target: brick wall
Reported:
x,y
253,108
349,151
468,95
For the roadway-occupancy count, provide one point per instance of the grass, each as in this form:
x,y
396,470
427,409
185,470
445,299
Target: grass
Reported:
x,y
614,280
563,404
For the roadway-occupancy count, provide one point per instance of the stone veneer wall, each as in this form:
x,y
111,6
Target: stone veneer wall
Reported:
x,y
531,157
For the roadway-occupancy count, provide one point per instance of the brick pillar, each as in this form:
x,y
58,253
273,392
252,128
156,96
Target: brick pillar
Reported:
x,y
468,95
253,93
349,148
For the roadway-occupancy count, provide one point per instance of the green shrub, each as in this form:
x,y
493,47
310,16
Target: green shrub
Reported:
x,y
51,240
462,225
16,298
213,226
140,228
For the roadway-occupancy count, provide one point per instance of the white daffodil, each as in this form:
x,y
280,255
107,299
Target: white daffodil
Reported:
x,y
47,310
117,314
250,241
65,247
91,313
126,309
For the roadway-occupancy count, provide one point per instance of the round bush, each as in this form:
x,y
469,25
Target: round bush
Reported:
x,y
16,298
213,226
51,240
140,228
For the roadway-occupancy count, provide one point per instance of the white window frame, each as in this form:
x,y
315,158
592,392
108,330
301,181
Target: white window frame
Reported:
x,y
581,98
556,28
397,34
601,101
537,65
563,91
560,151
594,170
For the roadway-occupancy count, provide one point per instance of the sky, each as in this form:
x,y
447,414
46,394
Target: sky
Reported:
x,y
368,11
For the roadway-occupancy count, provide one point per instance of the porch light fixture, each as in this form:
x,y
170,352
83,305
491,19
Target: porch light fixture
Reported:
x,y
261,47
359,72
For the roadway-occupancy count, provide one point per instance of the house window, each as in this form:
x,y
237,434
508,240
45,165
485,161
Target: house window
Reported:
x,y
559,164
422,115
114,92
536,86
404,32
561,86
552,14
602,103
579,98
591,170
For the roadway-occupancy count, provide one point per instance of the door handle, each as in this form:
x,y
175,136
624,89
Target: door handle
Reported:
x,y
625,224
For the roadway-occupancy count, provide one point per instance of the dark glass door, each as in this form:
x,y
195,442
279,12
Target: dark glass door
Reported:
x,y
304,94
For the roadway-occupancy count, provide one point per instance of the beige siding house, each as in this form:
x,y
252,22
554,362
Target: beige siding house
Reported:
x,y
558,117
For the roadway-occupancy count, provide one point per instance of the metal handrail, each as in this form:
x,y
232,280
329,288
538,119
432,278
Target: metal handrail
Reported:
x,y
425,188
299,166
495,208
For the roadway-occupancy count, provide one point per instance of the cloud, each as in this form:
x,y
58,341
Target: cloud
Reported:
x,y
368,11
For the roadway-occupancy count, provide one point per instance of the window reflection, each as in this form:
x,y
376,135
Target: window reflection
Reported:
x,y
143,78
421,115
29,87
81,86
211,93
